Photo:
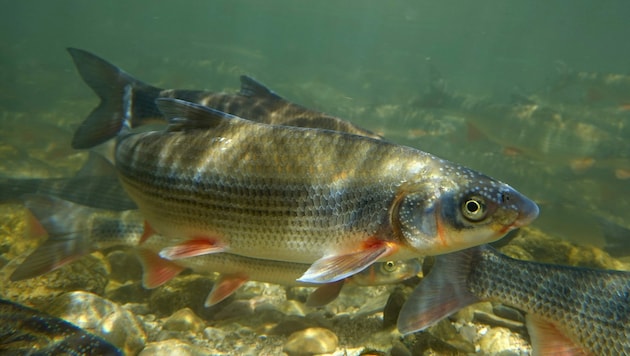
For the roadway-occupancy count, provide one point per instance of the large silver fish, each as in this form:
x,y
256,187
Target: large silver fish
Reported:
x,y
75,230
570,310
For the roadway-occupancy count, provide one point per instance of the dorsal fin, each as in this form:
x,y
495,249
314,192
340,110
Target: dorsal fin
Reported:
x,y
252,87
184,115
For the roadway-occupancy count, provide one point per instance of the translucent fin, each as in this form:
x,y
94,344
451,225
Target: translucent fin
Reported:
x,y
251,87
192,248
440,294
335,268
224,287
548,340
156,270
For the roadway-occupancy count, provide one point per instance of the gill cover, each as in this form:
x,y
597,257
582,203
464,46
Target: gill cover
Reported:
x,y
415,217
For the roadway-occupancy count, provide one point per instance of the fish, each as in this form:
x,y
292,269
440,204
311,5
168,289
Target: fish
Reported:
x,y
592,88
75,230
26,331
541,132
121,94
570,310
339,201
95,184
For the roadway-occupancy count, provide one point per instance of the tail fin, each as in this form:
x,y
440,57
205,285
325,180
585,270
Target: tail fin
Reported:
x,y
122,98
66,240
437,94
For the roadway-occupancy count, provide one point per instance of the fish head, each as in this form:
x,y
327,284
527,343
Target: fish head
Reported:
x,y
388,272
457,209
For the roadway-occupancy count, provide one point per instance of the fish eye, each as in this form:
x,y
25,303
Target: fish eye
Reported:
x,y
389,266
474,208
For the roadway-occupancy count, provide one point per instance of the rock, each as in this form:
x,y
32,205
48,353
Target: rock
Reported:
x,y
124,266
184,320
311,341
101,317
493,320
500,341
172,347
181,292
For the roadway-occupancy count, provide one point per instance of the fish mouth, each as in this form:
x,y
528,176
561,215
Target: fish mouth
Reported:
x,y
528,212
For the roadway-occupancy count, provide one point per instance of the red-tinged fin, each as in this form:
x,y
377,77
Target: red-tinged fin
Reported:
x,y
548,340
252,88
324,294
195,247
34,229
338,267
224,287
147,233
441,293
122,98
184,115
65,242
156,270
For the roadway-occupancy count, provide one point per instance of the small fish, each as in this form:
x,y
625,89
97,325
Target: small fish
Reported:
x,y
95,185
26,331
570,310
591,87
75,230
121,94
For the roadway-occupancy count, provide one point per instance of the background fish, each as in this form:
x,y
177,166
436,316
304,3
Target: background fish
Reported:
x,y
26,331
355,201
570,310
121,94
75,230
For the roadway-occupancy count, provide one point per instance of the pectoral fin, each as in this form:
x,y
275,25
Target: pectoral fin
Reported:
x,y
335,268
191,248
225,286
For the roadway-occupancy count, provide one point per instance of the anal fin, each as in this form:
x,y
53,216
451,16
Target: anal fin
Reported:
x,y
156,270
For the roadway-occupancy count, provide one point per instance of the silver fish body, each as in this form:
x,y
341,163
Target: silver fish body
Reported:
x,y
568,308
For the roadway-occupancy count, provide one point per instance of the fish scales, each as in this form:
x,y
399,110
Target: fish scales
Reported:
x,y
578,302
266,187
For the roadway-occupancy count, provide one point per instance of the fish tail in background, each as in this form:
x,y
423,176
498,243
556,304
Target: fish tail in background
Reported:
x,y
437,95
65,243
441,293
122,98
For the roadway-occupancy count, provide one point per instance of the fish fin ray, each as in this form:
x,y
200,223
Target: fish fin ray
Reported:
x,y
156,270
324,294
441,293
251,87
184,115
224,287
96,165
546,339
337,267
65,242
192,248
120,94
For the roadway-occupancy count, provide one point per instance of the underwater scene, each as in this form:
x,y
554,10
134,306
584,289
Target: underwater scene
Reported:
x,y
305,178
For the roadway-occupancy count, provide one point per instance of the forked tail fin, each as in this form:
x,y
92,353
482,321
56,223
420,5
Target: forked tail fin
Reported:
x,y
123,98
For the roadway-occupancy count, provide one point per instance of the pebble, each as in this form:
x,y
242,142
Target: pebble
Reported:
x,y
500,341
181,292
172,347
311,341
184,320
101,317
493,320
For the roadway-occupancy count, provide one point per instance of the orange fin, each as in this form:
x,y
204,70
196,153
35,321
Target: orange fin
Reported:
x,y
224,287
324,294
337,267
473,133
548,340
191,248
156,270
148,232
